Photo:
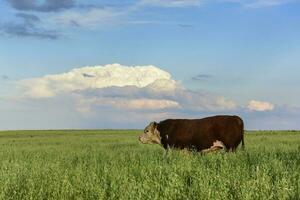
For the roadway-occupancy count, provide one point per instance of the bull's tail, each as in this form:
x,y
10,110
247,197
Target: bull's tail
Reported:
x,y
243,143
243,133
241,126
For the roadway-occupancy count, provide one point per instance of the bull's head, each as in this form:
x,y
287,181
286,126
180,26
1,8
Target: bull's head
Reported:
x,y
151,135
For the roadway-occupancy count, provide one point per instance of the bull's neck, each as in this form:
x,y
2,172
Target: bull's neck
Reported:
x,y
163,136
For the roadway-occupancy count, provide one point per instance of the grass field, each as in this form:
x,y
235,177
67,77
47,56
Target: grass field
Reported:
x,y
113,165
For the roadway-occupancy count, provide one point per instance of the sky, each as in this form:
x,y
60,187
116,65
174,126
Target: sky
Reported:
x,y
74,64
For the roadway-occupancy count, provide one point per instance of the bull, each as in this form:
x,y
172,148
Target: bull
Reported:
x,y
203,135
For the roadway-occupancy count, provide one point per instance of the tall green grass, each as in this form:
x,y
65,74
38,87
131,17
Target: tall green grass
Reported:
x,y
113,165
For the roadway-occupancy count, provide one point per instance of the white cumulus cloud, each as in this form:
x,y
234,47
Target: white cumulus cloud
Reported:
x,y
97,77
260,106
122,87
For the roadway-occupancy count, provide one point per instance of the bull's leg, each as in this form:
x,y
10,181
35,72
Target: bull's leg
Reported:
x,y
185,151
167,150
233,149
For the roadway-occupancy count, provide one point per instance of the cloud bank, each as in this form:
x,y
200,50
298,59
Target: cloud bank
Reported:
x,y
118,96
122,87
97,77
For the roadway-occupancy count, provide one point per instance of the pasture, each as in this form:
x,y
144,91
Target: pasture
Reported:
x,y
112,164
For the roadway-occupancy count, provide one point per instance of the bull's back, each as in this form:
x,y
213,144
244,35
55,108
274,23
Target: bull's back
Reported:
x,y
201,133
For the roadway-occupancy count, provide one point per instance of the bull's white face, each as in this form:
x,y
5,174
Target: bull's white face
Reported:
x,y
151,135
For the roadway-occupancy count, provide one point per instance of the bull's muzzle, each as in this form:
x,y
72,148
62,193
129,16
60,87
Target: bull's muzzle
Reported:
x,y
141,138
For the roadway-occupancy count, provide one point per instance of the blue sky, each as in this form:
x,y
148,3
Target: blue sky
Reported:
x,y
242,51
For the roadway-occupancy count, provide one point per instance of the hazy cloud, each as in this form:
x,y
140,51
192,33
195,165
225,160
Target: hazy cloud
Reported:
x,y
27,30
186,25
21,30
86,105
44,6
260,106
179,99
63,14
28,18
263,3
63,112
201,77
28,26
259,3
4,77
280,118
171,3
91,17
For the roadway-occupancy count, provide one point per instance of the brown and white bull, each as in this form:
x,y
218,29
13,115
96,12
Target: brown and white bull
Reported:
x,y
205,135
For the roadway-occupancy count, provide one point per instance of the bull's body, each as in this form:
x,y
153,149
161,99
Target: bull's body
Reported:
x,y
200,134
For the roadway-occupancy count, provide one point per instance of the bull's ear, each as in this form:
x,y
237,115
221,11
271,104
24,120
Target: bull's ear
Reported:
x,y
153,124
